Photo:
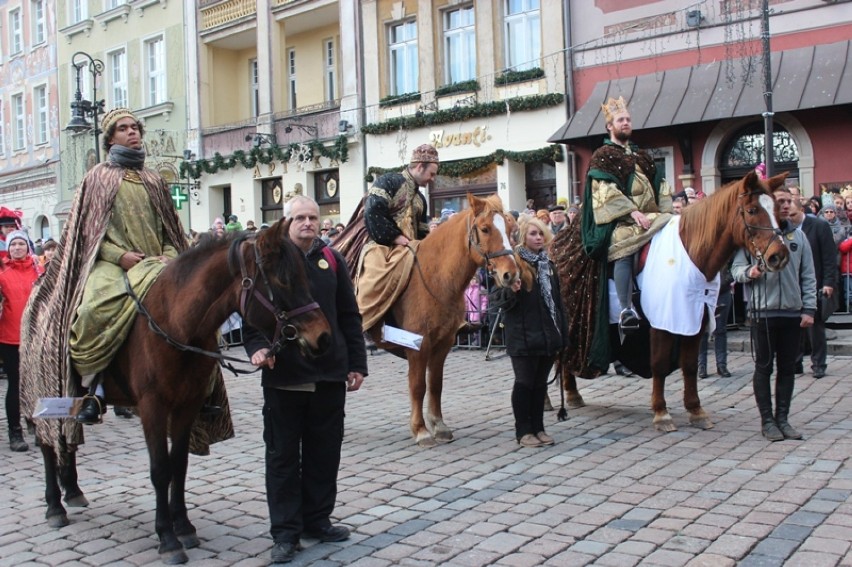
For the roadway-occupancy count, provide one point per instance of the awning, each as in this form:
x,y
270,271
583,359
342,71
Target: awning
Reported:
x,y
808,77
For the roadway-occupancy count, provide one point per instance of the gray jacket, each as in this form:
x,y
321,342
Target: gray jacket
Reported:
x,y
788,293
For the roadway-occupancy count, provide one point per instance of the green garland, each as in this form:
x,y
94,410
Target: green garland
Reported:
x,y
339,151
392,100
457,114
463,167
460,87
508,77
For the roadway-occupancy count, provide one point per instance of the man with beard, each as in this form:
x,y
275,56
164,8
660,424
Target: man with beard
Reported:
x,y
629,203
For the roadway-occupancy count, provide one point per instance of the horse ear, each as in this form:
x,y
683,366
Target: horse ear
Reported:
x,y
777,181
476,204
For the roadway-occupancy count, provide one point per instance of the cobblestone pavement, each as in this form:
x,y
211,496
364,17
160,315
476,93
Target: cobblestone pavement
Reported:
x,y
612,491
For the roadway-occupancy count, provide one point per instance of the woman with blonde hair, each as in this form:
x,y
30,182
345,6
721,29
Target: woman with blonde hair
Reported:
x,y
535,330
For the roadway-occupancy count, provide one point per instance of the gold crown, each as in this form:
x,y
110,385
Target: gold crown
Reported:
x,y
846,192
613,106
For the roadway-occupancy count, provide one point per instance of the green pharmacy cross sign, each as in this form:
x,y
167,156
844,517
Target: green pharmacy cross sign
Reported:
x,y
178,196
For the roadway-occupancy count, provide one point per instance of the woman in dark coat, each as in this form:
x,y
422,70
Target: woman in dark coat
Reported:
x,y
535,330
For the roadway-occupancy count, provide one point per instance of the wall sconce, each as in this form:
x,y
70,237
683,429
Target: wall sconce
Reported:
x,y
307,129
344,126
258,139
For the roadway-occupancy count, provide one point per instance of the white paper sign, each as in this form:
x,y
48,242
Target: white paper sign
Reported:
x,y
55,408
401,337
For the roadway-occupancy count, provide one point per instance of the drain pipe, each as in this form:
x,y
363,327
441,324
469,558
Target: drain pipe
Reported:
x,y
568,60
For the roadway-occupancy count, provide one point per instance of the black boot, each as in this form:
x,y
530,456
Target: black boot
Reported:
x,y
783,397
702,371
16,439
763,397
722,370
93,408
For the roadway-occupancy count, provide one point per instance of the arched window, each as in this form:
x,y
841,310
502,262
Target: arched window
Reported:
x,y
745,150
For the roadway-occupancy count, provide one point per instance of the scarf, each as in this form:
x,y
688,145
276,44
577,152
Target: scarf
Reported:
x,y
127,157
541,262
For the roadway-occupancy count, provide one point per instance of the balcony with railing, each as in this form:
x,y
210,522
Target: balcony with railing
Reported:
x,y
217,14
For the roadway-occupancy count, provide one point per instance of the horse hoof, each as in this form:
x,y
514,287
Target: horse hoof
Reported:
x,y
189,541
176,557
78,501
665,424
59,521
427,443
577,402
701,422
444,436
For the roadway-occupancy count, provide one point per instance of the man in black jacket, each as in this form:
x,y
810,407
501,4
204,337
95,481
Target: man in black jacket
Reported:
x,y
304,398
819,235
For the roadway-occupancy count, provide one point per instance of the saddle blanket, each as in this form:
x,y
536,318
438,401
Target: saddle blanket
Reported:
x,y
675,294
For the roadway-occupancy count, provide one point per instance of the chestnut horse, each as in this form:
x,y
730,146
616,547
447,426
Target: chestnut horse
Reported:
x,y
739,215
433,305
166,373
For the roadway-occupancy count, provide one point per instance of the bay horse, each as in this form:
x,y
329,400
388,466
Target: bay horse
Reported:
x,y
166,374
433,303
741,214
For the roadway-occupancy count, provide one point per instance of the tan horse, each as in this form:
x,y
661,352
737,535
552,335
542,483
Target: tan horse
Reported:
x,y
740,215
433,303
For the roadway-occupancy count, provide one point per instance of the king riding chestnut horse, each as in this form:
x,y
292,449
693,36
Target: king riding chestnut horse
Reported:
x,y
166,374
433,303
739,215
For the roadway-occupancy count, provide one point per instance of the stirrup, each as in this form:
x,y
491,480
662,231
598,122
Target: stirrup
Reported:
x,y
628,323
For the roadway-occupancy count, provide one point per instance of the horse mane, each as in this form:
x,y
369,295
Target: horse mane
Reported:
x,y
702,223
186,264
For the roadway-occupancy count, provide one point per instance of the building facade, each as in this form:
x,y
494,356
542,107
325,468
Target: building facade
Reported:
x,y
694,80
126,53
29,124
276,112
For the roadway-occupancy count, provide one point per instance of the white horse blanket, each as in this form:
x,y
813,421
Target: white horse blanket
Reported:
x,y
675,294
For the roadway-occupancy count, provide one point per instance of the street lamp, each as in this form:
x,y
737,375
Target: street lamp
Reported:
x,y
81,109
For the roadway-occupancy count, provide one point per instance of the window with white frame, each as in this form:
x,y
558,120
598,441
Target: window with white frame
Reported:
x,y
117,68
110,4
38,22
403,58
85,79
16,35
78,10
291,77
254,93
330,72
41,110
2,137
19,121
523,34
155,70
459,45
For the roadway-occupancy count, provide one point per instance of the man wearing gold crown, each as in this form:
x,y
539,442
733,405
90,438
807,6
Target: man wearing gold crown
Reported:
x,y
375,242
122,221
630,202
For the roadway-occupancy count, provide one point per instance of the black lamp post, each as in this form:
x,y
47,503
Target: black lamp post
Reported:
x,y
81,109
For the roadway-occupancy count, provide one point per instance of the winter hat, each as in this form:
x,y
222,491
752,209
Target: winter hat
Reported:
x,y
15,234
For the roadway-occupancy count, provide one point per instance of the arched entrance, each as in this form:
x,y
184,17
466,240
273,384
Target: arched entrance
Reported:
x,y
745,149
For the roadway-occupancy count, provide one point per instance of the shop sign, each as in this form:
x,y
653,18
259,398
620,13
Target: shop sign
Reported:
x,y
477,137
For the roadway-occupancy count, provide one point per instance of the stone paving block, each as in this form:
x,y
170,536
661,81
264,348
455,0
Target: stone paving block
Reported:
x,y
502,543
668,558
520,560
775,547
710,560
588,547
793,532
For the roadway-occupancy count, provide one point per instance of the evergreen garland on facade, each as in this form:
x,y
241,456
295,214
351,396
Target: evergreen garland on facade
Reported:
x,y
339,151
462,113
463,167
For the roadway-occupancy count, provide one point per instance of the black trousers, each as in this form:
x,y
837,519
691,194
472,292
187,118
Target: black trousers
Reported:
x,y
303,432
11,362
776,340
528,392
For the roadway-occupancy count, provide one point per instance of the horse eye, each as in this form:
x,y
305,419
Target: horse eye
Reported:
x,y
484,230
752,211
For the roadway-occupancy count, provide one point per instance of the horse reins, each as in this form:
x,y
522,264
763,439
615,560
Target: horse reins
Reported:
x,y
284,330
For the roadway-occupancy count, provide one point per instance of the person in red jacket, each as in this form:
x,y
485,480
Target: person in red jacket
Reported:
x,y
845,248
17,276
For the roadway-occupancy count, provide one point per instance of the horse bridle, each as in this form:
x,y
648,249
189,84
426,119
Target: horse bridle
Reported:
x,y
284,329
752,229
473,243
